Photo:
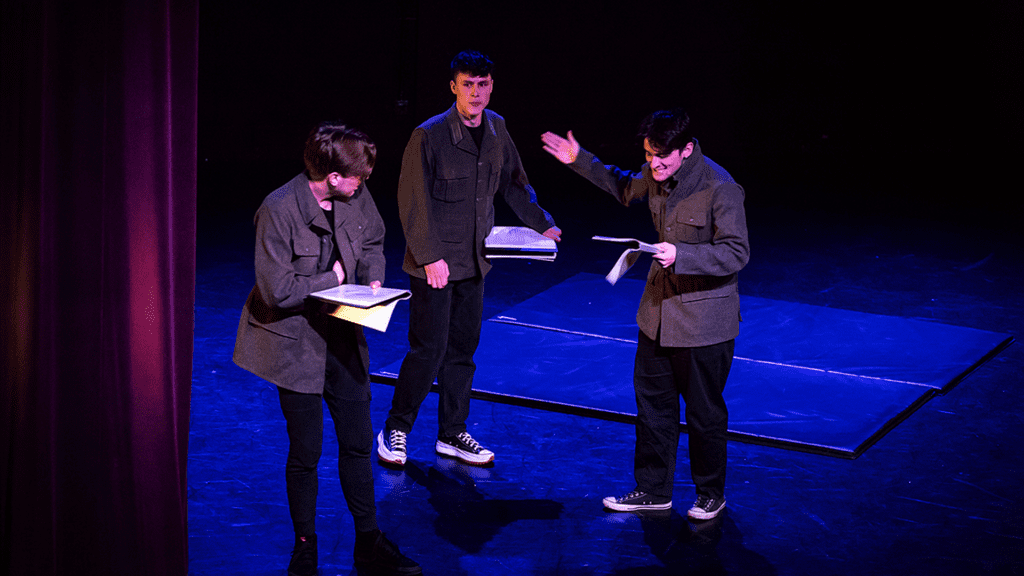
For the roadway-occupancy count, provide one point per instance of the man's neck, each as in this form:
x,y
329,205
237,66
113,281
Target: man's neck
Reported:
x,y
321,192
471,121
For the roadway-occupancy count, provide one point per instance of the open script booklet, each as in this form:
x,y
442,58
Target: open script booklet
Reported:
x,y
361,304
633,249
519,242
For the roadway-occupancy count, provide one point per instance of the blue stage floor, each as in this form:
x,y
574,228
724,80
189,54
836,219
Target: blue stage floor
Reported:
x,y
942,493
805,377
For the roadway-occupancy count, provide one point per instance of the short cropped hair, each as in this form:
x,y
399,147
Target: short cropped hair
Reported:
x,y
471,63
666,130
334,147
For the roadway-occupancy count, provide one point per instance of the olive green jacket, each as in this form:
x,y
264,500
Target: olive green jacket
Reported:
x,y
700,211
446,193
283,334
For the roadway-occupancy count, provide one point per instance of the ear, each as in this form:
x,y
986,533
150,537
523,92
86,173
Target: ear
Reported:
x,y
453,87
688,150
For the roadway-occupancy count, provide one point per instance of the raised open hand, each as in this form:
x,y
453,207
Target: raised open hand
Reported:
x,y
565,149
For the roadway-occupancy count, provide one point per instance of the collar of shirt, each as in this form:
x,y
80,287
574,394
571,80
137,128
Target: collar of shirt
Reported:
x,y
687,172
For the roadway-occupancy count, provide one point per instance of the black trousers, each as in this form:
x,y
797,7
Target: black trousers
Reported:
x,y
660,375
444,331
348,401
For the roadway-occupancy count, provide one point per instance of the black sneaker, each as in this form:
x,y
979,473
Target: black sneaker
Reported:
x,y
463,447
391,448
383,557
637,500
303,561
706,508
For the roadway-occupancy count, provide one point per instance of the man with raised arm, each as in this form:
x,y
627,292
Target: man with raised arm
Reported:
x,y
690,310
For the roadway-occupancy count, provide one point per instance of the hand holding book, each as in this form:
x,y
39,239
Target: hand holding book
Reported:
x,y
369,306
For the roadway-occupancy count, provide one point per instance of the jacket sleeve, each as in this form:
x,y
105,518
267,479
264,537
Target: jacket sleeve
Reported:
x,y
516,190
626,187
371,264
414,187
286,261
729,249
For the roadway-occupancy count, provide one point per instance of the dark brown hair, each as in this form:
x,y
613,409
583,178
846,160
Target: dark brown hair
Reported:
x,y
666,130
471,63
334,147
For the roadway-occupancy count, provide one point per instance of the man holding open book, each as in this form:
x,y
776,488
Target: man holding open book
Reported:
x,y
689,312
454,165
320,230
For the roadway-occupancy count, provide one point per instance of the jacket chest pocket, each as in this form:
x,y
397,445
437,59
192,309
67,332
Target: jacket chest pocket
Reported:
x,y
452,190
455,179
306,252
353,232
688,226
452,207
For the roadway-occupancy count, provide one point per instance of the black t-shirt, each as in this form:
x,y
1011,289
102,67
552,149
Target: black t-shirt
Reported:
x,y
477,132
334,246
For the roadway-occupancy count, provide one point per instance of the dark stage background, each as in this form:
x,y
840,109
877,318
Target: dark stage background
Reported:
x,y
860,109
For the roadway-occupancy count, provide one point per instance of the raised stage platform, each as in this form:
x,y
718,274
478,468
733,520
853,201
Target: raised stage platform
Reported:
x,y
806,378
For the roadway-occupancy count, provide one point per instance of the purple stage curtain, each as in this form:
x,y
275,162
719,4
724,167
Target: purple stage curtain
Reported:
x,y
98,208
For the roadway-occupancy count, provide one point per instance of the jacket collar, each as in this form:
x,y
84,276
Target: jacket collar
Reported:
x,y
460,135
308,206
687,177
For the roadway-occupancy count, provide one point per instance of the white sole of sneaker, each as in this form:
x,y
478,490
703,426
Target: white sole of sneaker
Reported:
x,y
611,504
698,514
386,456
464,457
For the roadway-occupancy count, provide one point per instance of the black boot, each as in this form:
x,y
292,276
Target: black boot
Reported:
x,y
378,555
303,557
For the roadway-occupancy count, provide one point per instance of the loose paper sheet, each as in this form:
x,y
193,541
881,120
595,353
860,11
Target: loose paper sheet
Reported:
x,y
628,258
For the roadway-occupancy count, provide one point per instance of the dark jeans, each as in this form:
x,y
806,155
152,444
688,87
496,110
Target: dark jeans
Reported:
x,y
444,330
348,400
660,375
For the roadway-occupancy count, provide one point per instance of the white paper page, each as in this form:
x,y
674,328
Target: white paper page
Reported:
x,y
359,295
622,265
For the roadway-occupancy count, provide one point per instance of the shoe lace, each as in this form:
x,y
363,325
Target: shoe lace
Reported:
x,y
703,502
397,440
633,494
469,441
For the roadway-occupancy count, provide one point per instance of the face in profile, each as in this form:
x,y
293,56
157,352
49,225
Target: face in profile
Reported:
x,y
472,94
343,186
